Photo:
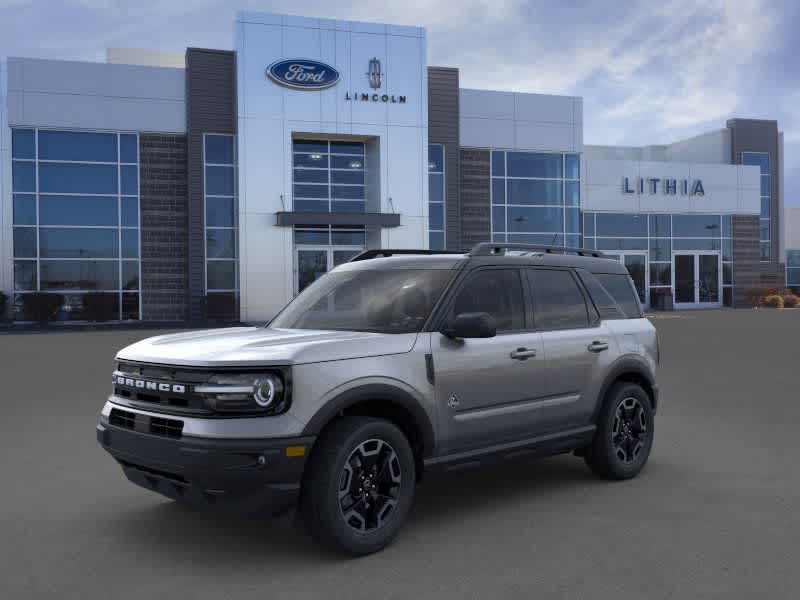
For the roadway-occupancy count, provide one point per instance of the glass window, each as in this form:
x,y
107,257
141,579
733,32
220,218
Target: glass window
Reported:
x,y
79,275
498,163
56,242
622,243
435,158
498,191
573,166
319,161
588,224
530,164
660,274
129,176
347,206
25,242
660,226
128,148
219,149
348,238
765,191
24,209
621,225
572,220
759,159
765,250
497,292
130,243
311,175
793,258
312,146
765,207
221,274
130,212
341,162
436,216
77,210
347,148
660,249
353,177
558,302
605,304
78,146
310,191
727,225
727,273
531,191
219,181
764,229
727,249
220,243
130,275
23,143
347,192
312,205
67,178
621,289
312,237
436,240
25,275
572,193
696,225
695,244
436,193
535,219
219,212
23,176
549,239
130,307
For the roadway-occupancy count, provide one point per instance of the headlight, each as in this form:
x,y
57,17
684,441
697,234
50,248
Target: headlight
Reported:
x,y
245,392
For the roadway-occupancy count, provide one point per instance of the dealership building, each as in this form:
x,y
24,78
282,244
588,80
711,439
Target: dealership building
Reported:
x,y
216,184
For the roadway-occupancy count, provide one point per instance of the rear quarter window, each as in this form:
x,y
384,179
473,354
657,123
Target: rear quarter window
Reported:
x,y
620,288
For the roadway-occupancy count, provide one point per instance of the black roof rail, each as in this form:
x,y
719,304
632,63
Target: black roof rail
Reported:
x,y
376,252
489,249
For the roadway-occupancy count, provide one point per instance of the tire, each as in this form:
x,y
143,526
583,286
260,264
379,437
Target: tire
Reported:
x,y
337,510
624,436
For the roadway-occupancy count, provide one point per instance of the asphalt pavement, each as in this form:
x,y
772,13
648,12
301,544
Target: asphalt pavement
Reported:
x,y
713,515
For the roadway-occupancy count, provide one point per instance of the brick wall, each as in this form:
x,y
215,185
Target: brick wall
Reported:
x,y
748,271
476,217
165,233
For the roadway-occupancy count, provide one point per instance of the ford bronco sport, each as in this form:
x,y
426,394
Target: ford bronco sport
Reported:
x,y
395,364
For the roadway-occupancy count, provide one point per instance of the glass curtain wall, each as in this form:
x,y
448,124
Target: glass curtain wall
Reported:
x,y
761,160
793,270
659,235
222,274
76,221
328,176
436,197
535,198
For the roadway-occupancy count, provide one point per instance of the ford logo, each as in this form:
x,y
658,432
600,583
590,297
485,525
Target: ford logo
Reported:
x,y
302,74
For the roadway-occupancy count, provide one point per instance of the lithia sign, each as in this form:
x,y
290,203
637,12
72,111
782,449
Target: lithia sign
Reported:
x,y
306,74
667,186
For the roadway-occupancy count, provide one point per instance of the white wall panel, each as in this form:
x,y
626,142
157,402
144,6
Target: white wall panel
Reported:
x,y
540,135
486,133
486,104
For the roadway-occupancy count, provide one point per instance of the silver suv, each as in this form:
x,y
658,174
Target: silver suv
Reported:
x,y
395,364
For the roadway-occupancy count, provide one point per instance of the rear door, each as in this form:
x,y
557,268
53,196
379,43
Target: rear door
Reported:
x,y
578,347
487,389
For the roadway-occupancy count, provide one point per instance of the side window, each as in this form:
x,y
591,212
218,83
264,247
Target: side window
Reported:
x,y
494,291
621,289
558,302
606,305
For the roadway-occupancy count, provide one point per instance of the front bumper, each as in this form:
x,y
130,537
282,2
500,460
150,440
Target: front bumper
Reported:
x,y
230,475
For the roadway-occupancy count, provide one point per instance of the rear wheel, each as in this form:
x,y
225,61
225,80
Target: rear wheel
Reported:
x,y
624,433
359,486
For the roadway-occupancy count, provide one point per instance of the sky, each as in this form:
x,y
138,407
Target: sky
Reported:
x,y
649,72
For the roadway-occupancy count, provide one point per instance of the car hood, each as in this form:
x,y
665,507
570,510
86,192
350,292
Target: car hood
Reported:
x,y
251,346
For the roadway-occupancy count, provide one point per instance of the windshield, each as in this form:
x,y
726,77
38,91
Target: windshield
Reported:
x,y
384,301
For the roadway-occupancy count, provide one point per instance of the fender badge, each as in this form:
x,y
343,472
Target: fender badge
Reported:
x,y
453,401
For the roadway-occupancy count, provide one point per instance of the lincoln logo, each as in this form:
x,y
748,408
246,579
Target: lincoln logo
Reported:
x,y
301,74
374,74
152,386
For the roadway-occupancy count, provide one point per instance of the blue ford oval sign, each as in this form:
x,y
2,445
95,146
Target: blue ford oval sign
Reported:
x,y
303,74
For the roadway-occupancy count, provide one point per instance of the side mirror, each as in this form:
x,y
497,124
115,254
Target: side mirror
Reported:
x,y
471,325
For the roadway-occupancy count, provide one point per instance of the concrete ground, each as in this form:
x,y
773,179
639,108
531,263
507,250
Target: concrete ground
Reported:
x,y
714,514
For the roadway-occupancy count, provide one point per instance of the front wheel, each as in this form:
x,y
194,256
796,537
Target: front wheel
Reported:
x,y
359,486
624,433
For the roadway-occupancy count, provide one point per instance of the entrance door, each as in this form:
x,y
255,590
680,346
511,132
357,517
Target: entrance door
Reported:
x,y
636,263
697,279
311,262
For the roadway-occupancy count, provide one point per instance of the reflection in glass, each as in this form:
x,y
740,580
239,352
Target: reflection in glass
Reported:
x,y
80,275
66,178
24,209
77,146
25,242
220,243
220,274
77,210
56,242
24,275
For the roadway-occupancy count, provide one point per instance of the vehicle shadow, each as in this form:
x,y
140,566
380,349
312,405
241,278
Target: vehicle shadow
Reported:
x,y
183,534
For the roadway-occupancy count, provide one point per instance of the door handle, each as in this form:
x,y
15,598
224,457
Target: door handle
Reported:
x,y
523,354
598,346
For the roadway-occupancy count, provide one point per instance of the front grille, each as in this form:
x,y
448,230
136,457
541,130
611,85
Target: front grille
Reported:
x,y
172,428
167,427
167,400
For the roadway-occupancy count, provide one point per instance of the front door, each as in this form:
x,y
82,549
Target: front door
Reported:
x,y
311,263
697,279
636,263
488,390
